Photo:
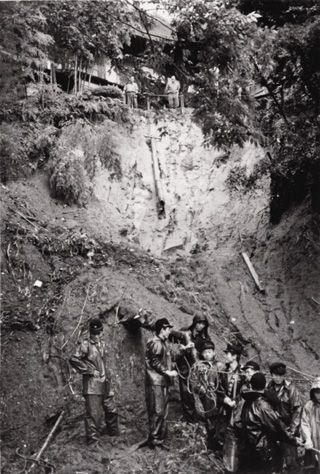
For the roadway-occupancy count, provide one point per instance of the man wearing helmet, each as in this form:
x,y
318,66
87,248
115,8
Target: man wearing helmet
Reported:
x,y
89,360
195,336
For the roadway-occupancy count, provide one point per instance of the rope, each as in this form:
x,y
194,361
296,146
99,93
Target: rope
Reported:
x,y
198,381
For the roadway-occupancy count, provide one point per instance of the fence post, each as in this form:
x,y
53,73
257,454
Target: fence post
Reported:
x,y
182,102
148,102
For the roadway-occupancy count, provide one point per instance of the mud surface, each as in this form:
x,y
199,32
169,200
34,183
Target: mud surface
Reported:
x,y
116,257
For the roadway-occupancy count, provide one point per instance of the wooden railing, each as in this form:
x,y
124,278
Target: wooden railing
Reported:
x,y
149,98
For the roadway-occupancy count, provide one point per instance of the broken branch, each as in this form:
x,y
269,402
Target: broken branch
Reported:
x,y
253,272
23,217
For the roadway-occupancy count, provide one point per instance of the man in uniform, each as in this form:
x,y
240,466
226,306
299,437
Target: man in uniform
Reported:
x,y
159,375
261,429
251,367
89,360
229,389
289,408
310,428
194,337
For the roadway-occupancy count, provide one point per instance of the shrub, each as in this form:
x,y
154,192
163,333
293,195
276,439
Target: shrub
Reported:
x,y
9,159
109,157
108,91
69,180
237,178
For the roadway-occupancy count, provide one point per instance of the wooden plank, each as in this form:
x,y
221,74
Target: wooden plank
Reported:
x,y
253,272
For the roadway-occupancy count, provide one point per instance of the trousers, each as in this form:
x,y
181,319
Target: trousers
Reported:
x,y
95,407
157,406
173,100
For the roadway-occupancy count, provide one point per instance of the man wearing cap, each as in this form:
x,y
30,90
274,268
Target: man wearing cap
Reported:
x,y
261,429
250,368
194,337
159,375
230,383
289,408
89,360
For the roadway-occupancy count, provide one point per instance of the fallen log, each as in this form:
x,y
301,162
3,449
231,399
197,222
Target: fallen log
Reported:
x,y
253,272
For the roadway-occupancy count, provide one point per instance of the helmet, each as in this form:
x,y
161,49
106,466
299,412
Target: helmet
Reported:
x,y
199,318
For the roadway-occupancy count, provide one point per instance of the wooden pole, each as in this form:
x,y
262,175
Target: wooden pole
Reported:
x,y
182,102
253,272
158,184
47,441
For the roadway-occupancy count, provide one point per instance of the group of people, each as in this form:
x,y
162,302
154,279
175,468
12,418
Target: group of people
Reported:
x,y
250,423
172,89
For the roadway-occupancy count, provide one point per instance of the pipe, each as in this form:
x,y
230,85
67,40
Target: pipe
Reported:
x,y
157,180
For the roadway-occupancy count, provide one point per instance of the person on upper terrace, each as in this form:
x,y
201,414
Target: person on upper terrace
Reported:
x,y
131,90
172,89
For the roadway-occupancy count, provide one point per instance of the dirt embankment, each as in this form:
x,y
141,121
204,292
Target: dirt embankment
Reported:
x,y
116,257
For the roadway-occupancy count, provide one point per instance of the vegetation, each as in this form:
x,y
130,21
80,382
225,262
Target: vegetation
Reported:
x,y
225,49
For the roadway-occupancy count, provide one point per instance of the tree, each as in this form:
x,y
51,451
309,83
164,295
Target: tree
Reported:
x,y
24,41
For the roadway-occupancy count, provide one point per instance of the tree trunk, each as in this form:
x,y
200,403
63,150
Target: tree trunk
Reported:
x,y
75,87
80,72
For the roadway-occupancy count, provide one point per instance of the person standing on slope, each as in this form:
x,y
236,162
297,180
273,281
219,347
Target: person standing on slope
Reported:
x,y
310,428
159,374
194,337
89,360
289,409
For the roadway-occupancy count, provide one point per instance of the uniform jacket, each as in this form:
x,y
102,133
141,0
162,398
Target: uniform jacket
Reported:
x,y
230,383
158,361
261,424
207,385
290,404
186,358
91,356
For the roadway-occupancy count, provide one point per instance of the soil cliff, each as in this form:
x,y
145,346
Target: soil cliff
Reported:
x,y
119,256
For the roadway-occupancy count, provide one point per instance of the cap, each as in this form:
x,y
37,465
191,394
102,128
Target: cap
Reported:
x,y
278,368
251,364
258,381
95,326
208,345
234,349
162,323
